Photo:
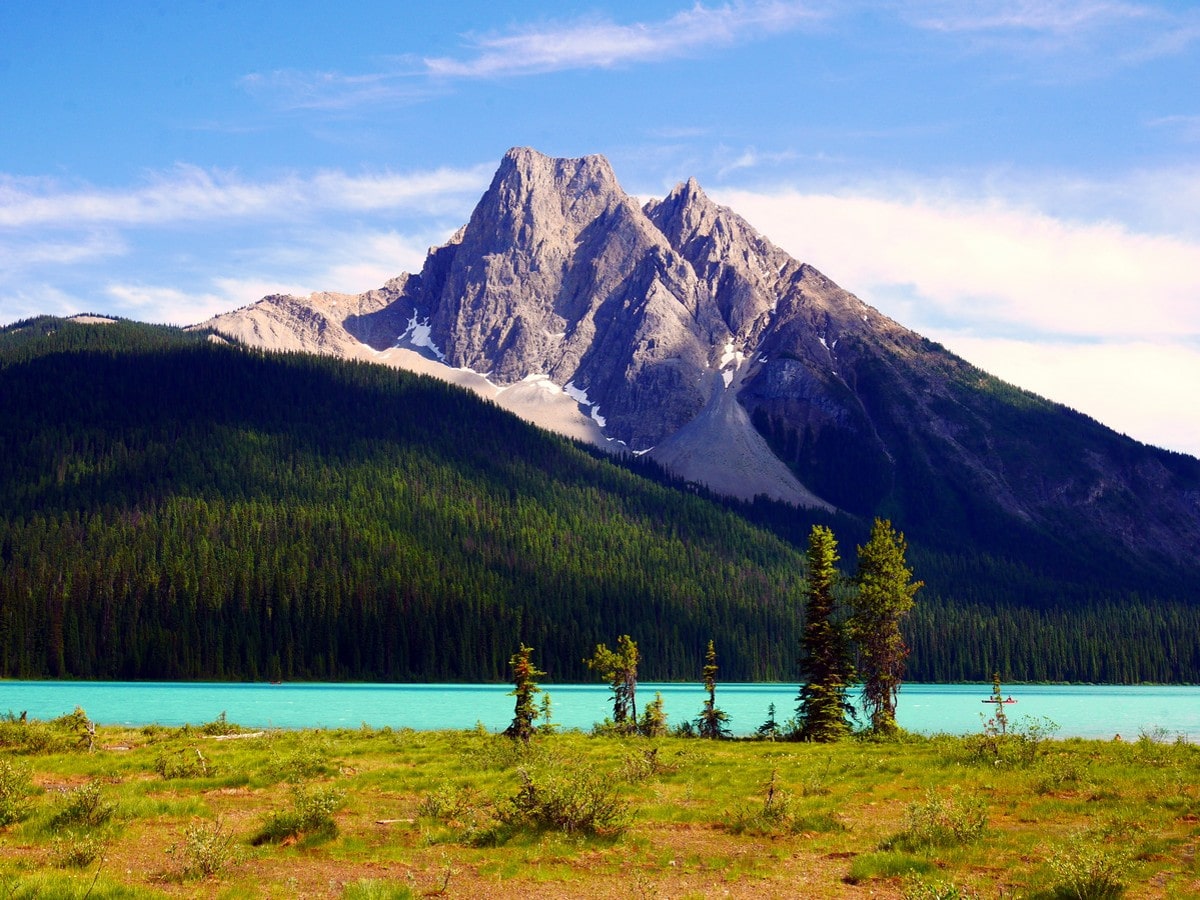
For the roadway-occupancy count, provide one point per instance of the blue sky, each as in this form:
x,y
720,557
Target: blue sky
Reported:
x,y
1018,180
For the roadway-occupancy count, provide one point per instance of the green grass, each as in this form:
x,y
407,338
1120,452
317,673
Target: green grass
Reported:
x,y
400,813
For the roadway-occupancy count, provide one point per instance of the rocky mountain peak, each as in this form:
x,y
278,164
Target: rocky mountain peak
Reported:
x,y
530,188
742,269
676,328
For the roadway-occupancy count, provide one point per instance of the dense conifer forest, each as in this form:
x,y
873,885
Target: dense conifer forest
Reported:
x,y
176,508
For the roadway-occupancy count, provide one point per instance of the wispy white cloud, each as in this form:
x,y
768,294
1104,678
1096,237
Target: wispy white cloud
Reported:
x,y
592,42
600,43
189,193
156,303
1087,37
1088,313
28,251
399,81
38,299
1054,16
1186,128
71,248
751,158
982,260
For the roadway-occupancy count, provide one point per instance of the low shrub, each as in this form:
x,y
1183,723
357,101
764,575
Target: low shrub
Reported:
x,y
307,761
373,889
311,814
779,814
1059,771
1088,870
206,849
29,736
918,887
580,800
220,726
887,864
939,822
15,787
1017,746
451,804
75,851
489,752
182,762
82,806
647,763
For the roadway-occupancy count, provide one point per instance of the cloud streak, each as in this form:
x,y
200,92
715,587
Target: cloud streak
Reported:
x,y
1053,16
604,44
190,194
590,43
998,266
1089,36
1091,314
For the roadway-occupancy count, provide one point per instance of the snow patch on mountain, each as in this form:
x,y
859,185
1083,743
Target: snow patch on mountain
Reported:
x,y
420,334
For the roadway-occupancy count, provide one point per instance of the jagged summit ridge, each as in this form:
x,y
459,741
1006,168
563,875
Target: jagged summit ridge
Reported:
x,y
560,272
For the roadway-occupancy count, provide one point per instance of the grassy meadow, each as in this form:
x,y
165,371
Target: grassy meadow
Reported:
x,y
218,811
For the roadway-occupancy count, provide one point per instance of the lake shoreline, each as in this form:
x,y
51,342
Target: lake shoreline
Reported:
x,y
1088,711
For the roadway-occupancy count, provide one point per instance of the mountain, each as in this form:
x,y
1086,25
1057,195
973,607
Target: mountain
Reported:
x,y
674,329
171,507
176,507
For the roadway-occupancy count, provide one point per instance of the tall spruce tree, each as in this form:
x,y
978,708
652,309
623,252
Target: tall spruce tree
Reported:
x,y
823,710
619,668
524,675
884,597
711,723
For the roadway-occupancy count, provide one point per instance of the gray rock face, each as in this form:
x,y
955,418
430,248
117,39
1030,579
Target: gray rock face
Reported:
x,y
678,329
560,272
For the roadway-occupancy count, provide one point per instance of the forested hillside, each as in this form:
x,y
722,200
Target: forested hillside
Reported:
x,y
175,508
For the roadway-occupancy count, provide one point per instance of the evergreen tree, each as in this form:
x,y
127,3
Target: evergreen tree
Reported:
x,y
711,723
525,687
654,718
619,668
885,595
769,730
547,726
825,665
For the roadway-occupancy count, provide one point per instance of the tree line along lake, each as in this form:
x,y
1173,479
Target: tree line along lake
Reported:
x,y
1087,711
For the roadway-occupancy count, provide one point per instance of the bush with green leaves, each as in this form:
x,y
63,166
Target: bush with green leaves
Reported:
x,y
1058,771
779,814
481,751
309,760
939,822
579,800
15,786
206,849
83,806
919,887
27,737
1018,746
463,809
220,726
67,732
648,763
182,762
1087,869
373,889
71,850
450,803
310,814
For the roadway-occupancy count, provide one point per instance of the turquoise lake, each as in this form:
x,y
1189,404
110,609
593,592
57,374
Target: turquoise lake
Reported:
x,y
1092,711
